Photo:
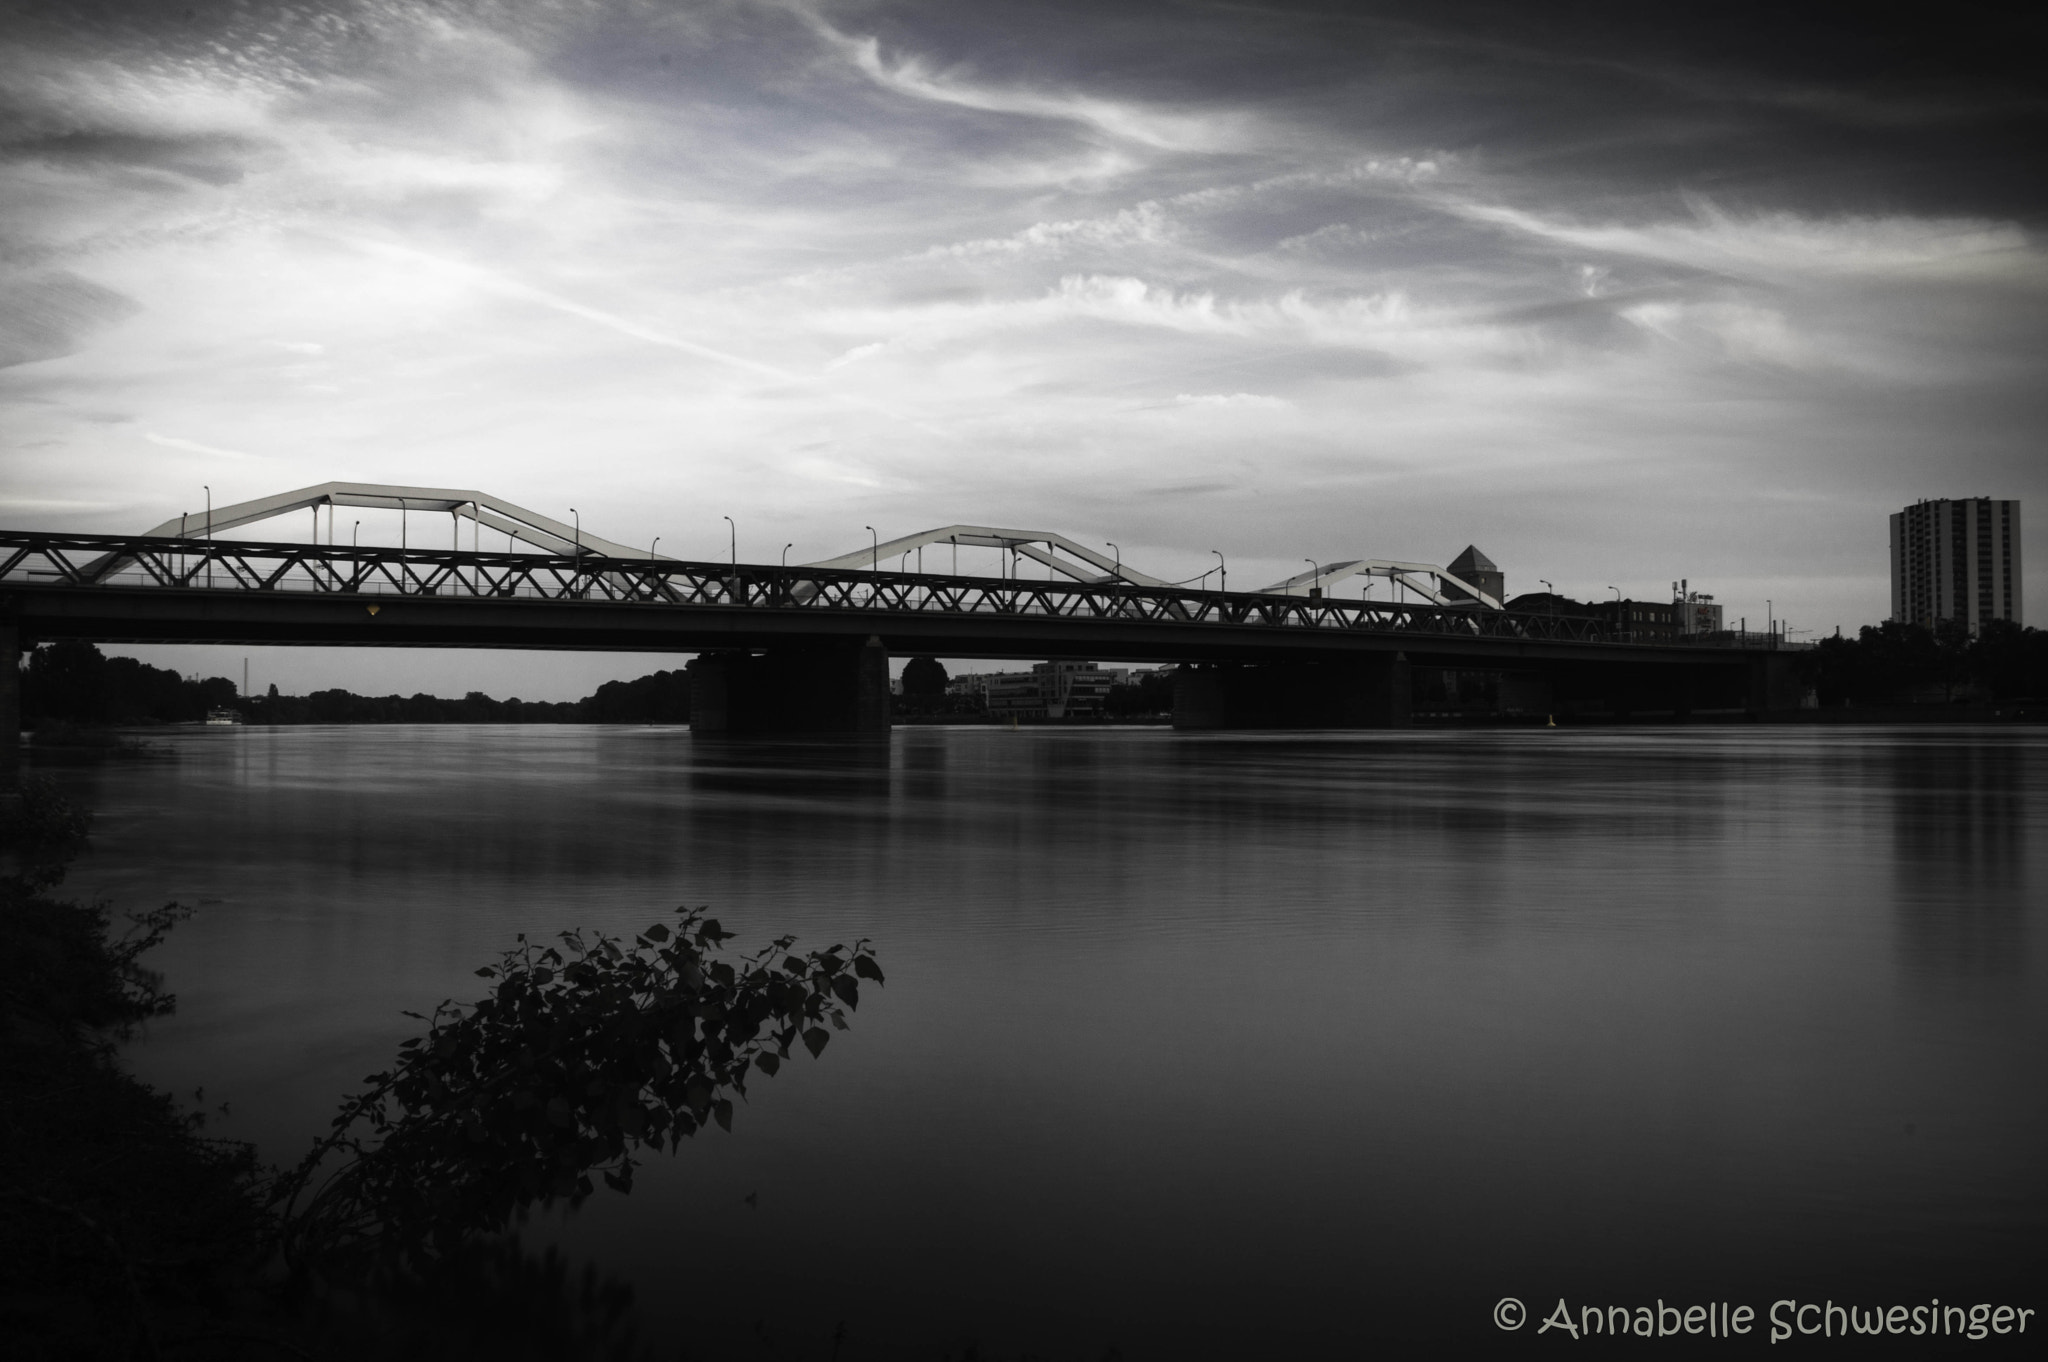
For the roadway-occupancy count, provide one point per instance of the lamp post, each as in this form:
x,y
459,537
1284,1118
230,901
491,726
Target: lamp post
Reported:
x,y
1770,619
355,535
875,548
1313,573
785,553
209,532
653,550
401,524
733,530
1224,565
1551,592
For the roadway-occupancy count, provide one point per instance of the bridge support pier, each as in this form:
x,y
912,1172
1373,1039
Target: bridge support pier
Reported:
x,y
1773,684
830,689
1351,692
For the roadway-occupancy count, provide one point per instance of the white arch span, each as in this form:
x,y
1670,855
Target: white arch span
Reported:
x,y
1025,542
496,513
1415,576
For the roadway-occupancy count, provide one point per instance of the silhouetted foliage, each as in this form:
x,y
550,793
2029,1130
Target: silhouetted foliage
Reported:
x,y
1895,663
73,682
924,678
1150,695
582,1054
70,687
662,698
118,1217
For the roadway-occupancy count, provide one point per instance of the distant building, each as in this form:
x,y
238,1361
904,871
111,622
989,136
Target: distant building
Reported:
x,y
1050,690
1956,561
1475,567
1687,613
1642,621
1697,613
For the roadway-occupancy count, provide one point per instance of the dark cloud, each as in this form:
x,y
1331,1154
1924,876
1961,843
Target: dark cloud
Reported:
x,y
44,316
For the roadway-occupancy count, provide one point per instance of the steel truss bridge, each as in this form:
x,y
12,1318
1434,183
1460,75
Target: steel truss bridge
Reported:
x,y
147,589
817,635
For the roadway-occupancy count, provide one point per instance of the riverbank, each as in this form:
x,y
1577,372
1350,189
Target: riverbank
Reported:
x,y
124,1228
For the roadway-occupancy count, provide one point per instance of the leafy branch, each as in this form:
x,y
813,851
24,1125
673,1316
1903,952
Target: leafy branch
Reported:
x,y
583,1053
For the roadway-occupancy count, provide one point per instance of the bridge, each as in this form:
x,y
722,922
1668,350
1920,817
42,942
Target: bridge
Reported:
x,y
807,645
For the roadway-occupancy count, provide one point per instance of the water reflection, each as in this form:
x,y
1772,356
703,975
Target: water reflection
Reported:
x,y
1194,1044
1960,814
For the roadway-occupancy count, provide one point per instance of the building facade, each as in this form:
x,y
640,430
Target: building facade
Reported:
x,y
1050,690
1956,561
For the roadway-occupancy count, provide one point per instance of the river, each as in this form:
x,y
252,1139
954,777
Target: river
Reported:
x,y
1192,1045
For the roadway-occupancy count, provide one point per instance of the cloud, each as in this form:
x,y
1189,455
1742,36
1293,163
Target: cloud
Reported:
x,y
1363,284
1781,245
194,447
1124,121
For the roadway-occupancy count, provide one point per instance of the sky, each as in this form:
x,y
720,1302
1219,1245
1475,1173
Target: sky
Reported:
x,y
1622,294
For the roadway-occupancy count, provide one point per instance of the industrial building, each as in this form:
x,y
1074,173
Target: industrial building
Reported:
x,y
1956,561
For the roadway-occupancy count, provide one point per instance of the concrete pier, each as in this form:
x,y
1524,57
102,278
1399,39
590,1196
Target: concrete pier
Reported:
x,y
828,689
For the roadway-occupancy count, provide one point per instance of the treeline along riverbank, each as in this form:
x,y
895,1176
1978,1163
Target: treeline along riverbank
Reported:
x,y
74,684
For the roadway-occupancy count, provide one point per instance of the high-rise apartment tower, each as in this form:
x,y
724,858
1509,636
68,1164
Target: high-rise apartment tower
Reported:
x,y
1956,560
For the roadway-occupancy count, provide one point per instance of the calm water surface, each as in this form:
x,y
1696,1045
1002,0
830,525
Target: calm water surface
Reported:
x,y
1193,1045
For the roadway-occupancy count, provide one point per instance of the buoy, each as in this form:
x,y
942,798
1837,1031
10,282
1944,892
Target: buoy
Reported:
x,y
1552,723
374,608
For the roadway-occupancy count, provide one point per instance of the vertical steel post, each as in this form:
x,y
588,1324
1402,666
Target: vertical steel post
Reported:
x,y
10,709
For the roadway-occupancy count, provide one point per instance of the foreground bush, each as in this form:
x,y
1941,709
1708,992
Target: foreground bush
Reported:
x,y
583,1054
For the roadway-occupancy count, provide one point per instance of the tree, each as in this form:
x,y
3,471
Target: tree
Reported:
x,y
924,678
581,1055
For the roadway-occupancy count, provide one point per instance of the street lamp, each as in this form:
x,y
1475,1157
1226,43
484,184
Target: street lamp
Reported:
x,y
733,533
209,532
1313,572
875,548
785,553
653,550
1617,592
1225,566
1551,591
578,517
355,535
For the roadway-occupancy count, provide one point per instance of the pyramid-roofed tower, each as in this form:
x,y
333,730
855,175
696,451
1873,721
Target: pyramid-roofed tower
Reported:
x,y
1475,567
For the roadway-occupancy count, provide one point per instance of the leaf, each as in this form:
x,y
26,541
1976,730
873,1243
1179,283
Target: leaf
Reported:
x,y
722,1110
658,932
848,991
839,1021
866,968
816,1039
767,1063
486,973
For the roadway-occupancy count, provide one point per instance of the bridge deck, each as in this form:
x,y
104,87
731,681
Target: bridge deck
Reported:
x,y
158,590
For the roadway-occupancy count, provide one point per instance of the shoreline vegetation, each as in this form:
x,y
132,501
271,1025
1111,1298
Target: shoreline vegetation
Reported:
x,y
126,1230
72,695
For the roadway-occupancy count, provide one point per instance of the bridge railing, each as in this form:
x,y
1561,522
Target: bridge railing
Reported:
x,y
82,562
